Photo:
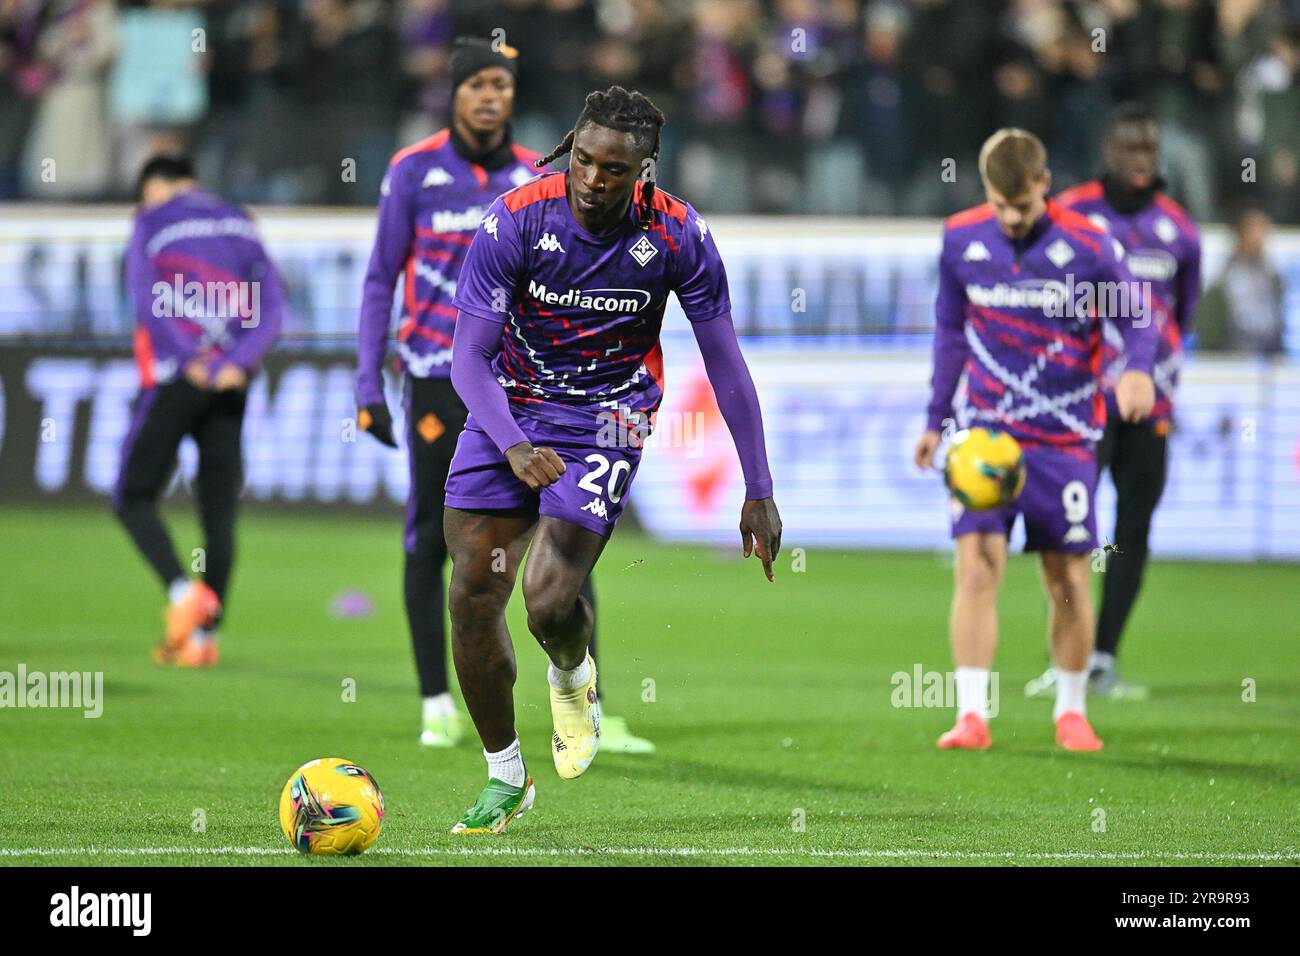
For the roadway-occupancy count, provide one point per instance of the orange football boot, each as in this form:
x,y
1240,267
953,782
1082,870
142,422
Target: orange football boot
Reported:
x,y
1073,732
197,652
198,608
971,732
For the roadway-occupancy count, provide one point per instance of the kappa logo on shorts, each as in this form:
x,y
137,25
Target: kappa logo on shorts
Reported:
x,y
1077,534
597,507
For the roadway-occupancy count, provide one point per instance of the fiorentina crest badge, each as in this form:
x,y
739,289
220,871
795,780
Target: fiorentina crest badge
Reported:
x,y
643,251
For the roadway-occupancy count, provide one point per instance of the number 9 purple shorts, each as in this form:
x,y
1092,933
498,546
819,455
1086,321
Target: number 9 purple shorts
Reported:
x,y
1057,503
591,493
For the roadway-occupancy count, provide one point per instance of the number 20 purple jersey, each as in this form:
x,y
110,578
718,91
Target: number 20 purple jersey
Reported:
x,y
582,312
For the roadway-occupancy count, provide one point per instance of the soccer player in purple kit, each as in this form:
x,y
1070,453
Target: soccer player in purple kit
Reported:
x,y
1163,249
208,305
560,301
1009,330
433,198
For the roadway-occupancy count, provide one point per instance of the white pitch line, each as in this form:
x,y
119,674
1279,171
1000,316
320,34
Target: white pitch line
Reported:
x,y
669,852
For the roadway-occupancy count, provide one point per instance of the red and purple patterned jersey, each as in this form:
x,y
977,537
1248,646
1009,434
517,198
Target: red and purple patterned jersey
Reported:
x,y
202,287
582,312
1017,342
1163,249
431,201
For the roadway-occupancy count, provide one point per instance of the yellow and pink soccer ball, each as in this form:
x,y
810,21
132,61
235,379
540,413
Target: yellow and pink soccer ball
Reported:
x,y
985,468
331,807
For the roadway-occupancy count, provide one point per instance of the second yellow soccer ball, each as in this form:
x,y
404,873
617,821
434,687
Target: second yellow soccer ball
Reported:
x,y
984,469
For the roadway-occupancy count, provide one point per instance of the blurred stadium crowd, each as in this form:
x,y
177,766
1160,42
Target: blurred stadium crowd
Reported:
x,y
774,106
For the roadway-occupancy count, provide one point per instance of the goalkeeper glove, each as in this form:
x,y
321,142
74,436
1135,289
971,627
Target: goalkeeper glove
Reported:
x,y
377,420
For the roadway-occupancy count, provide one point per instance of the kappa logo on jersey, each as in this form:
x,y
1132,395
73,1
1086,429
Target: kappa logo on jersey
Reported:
x,y
643,251
490,225
466,221
976,252
597,507
436,177
704,227
1165,230
549,243
1060,253
1077,534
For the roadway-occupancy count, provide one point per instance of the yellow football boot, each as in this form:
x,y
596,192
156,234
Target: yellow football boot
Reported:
x,y
576,715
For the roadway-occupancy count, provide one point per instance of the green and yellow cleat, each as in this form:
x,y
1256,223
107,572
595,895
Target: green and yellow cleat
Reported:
x,y
576,716
496,806
616,738
444,731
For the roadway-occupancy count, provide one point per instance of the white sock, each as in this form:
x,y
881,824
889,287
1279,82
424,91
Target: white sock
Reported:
x,y
570,680
1071,689
439,705
1100,660
507,765
177,590
973,691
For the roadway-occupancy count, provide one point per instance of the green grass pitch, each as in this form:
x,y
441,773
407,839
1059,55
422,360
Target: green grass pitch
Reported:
x,y
772,708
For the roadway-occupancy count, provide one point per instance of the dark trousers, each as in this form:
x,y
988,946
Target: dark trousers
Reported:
x,y
160,418
435,417
1136,456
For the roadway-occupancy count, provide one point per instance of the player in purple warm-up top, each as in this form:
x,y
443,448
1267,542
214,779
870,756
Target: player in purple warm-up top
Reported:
x,y
1018,327
557,357
208,304
433,198
1164,250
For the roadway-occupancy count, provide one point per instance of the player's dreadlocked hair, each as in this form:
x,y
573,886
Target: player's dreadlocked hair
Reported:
x,y
628,112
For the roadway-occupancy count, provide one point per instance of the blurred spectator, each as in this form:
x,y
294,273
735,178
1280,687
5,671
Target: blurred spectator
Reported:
x,y
157,90
22,78
1242,311
69,149
817,106
426,31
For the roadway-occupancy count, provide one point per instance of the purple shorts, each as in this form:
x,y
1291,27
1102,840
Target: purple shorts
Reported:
x,y
1057,503
591,493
